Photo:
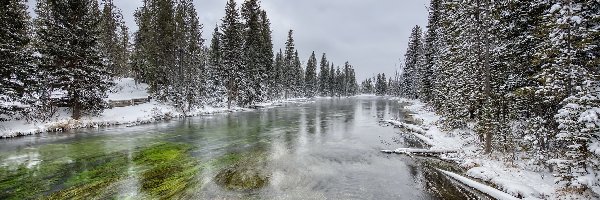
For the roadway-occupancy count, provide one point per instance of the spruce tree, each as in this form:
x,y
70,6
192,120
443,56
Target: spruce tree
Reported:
x,y
232,43
324,76
253,71
188,75
289,66
69,51
217,76
311,76
298,77
267,55
332,82
142,59
17,72
280,76
338,82
164,75
431,50
412,68
114,39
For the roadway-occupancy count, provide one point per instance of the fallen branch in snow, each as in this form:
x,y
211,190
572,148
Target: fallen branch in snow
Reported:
x,y
493,192
410,127
425,139
426,152
417,131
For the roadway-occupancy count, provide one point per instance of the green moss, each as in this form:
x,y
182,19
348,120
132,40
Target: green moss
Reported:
x,y
243,172
26,183
92,176
168,169
82,178
85,169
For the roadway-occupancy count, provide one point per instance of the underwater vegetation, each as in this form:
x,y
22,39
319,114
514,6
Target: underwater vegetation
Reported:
x,y
243,172
86,171
168,169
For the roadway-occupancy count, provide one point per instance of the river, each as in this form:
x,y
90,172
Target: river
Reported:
x,y
328,149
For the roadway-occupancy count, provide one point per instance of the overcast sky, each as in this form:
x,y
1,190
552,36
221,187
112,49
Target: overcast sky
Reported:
x,y
371,34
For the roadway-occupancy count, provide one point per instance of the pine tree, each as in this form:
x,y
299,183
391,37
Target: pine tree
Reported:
x,y
114,39
155,48
70,57
267,55
216,80
253,69
366,87
232,43
311,76
431,50
381,85
188,76
289,66
338,82
412,69
164,75
572,73
17,72
332,81
298,77
142,61
324,76
578,124
280,76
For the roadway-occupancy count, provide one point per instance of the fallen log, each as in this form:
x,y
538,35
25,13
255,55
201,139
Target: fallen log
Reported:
x,y
410,151
493,192
410,127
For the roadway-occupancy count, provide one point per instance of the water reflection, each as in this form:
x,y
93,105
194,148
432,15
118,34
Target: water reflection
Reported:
x,y
327,149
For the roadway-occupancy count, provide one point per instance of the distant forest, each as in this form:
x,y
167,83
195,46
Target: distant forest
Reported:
x,y
72,51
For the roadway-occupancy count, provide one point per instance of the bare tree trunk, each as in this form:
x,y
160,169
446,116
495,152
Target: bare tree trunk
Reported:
x,y
76,107
229,93
483,44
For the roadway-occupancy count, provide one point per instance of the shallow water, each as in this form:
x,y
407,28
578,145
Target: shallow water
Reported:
x,y
327,149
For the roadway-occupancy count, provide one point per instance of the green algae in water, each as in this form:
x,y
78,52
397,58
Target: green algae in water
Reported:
x,y
93,175
242,172
82,178
168,169
76,170
26,183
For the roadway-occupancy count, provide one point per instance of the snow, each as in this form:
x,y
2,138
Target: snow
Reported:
x,y
410,127
576,19
481,187
555,8
125,89
515,179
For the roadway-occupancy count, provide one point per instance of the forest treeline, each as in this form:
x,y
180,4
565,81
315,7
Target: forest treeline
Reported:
x,y
522,74
69,55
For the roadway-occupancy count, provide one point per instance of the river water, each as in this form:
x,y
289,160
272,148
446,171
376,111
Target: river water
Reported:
x,y
329,149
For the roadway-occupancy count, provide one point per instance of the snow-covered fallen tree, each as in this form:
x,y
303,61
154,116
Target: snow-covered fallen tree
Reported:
x,y
410,127
428,152
492,192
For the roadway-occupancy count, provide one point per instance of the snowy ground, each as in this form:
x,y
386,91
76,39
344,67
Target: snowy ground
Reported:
x,y
129,116
512,178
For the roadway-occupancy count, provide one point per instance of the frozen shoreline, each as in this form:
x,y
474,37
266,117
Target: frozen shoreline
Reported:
x,y
127,116
145,113
513,178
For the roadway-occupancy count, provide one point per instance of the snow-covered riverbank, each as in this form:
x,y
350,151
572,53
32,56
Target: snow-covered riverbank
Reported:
x,y
145,113
512,176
